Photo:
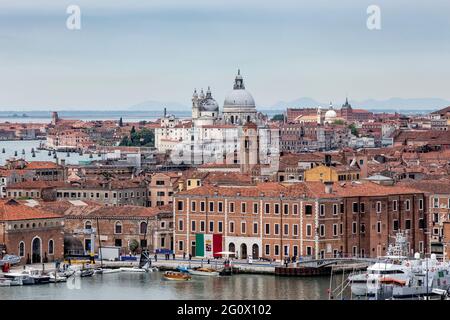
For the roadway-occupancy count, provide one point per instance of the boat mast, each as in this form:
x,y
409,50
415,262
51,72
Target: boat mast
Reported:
x,y
99,244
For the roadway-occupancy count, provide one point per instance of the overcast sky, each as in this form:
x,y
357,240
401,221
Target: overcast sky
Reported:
x,y
130,51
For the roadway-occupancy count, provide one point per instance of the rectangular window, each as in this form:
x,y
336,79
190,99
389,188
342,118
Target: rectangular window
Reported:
x,y
362,207
267,249
421,223
322,209
295,230
395,226
180,205
341,228
308,230
394,205
231,227
202,226
211,226
407,224
180,245
267,229
407,205
276,250
421,204
267,208
277,229
220,226
378,205
276,208
220,207
255,228
193,204
286,229
286,209
308,209
309,251
355,207
342,208
180,225
295,209
436,202
243,225
354,227
202,206
335,209
243,207
255,208
232,207
335,229
322,230
379,226
211,206
193,225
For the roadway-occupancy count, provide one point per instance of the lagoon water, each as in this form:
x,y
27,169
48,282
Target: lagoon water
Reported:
x,y
151,286
41,155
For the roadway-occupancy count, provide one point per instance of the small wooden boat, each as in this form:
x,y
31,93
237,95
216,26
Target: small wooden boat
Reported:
x,y
203,272
176,276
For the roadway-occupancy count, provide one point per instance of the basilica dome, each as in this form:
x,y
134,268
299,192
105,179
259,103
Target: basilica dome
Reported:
x,y
239,97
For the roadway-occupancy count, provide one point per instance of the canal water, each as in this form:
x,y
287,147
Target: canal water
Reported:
x,y
149,286
40,155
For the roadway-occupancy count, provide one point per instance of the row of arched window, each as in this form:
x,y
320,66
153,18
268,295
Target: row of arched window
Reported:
x,y
51,248
118,227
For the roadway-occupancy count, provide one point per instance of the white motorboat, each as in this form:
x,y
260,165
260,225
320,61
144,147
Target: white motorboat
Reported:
x,y
133,269
107,271
8,282
391,265
56,277
203,272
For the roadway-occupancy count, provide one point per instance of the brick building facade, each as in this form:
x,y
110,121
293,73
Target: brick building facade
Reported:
x,y
275,220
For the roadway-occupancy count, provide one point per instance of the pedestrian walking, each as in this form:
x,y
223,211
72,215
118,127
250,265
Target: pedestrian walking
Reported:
x,y
184,255
156,257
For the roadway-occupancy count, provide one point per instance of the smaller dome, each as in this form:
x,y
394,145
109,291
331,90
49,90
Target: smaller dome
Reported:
x,y
209,104
330,114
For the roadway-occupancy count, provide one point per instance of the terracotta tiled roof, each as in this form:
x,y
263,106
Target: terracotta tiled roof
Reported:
x,y
11,210
32,165
302,190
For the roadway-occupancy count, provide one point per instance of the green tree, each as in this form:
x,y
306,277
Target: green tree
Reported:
x,y
278,117
354,130
134,245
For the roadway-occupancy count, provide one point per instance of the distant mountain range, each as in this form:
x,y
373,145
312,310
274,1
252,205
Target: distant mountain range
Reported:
x,y
370,104
392,104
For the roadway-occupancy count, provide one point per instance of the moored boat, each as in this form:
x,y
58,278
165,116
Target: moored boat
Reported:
x,y
176,276
203,272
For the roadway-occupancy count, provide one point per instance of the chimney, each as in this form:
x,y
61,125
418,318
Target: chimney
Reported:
x,y
328,160
328,187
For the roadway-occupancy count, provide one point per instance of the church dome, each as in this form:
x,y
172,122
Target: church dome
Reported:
x,y
239,97
207,103
330,115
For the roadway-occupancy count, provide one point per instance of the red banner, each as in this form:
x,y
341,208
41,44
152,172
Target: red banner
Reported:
x,y
217,245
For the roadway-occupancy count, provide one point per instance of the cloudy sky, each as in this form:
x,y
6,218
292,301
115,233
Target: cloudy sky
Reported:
x,y
130,51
